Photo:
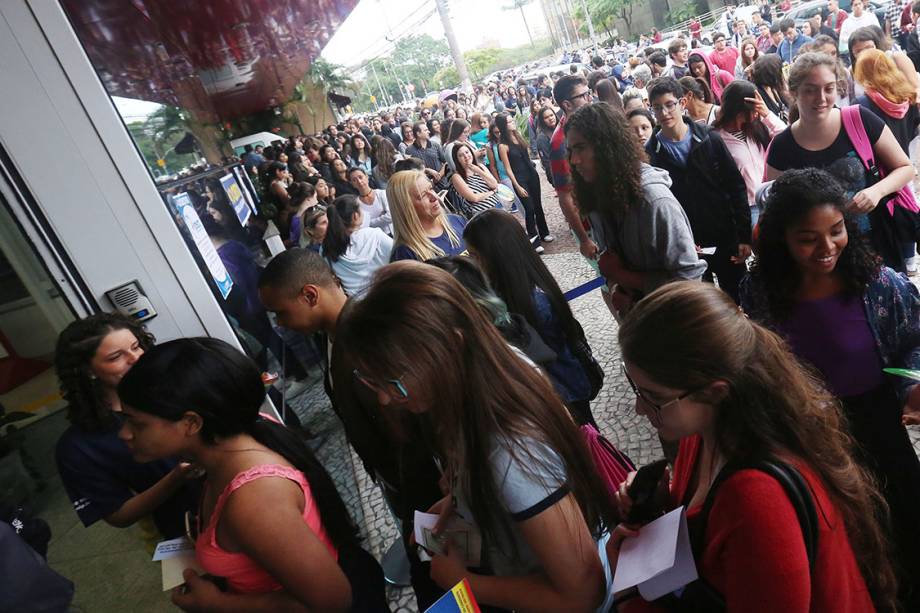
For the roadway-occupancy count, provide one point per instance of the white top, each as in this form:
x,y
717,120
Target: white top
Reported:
x,y
377,213
853,23
368,250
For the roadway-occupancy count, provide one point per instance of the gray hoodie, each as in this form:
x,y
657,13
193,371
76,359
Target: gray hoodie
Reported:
x,y
654,236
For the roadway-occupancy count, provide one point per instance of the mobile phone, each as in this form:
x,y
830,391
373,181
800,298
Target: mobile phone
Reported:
x,y
642,492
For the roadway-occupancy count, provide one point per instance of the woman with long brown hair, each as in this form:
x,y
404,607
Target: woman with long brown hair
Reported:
x,y
735,397
517,466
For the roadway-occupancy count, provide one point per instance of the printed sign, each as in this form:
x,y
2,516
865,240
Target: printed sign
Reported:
x,y
236,197
184,206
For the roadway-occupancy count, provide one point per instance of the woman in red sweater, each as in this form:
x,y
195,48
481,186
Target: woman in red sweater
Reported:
x,y
731,392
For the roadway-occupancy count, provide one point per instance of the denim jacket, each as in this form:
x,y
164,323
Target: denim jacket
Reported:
x,y
892,305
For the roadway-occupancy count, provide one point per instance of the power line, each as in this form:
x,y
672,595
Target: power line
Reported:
x,y
392,45
384,36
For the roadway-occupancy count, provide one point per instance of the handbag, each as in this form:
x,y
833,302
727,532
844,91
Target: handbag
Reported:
x,y
593,370
612,465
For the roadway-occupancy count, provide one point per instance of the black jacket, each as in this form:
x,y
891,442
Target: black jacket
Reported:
x,y
710,188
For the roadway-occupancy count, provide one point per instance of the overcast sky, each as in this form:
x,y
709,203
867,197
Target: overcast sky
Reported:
x,y
362,36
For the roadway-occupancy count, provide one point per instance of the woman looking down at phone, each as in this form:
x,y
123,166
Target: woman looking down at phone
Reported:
x,y
515,464
733,395
271,523
421,228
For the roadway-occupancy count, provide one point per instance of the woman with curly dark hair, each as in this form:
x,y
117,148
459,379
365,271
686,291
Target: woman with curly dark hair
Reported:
x,y
101,479
816,281
636,222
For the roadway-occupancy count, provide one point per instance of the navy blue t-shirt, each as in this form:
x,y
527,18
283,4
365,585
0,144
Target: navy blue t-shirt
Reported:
x,y
100,475
458,223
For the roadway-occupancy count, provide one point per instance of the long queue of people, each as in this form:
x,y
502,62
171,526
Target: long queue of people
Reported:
x,y
464,381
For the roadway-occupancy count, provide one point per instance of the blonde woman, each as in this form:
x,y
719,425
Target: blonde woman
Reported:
x,y
421,228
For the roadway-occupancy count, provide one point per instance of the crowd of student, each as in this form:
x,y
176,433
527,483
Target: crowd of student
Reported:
x,y
464,381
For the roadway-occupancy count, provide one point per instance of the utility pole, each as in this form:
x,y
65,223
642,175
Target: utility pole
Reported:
x,y
465,83
383,93
584,7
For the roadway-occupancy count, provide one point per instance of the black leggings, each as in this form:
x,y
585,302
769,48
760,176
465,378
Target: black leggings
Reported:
x,y
729,274
534,218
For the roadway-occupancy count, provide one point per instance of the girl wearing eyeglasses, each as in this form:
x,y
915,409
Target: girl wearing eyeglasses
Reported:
x,y
271,526
733,395
517,469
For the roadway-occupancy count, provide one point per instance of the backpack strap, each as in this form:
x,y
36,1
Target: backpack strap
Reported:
x,y
793,484
856,132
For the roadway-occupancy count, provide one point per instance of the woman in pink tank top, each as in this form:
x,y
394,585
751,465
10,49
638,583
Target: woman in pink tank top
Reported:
x,y
272,532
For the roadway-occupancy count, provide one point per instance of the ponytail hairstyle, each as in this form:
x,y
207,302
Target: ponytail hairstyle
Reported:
x,y
209,377
300,191
77,344
687,335
338,235
801,68
696,86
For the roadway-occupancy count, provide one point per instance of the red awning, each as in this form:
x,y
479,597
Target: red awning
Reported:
x,y
217,58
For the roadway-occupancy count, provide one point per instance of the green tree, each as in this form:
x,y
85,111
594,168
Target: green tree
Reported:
x,y
518,5
417,58
606,12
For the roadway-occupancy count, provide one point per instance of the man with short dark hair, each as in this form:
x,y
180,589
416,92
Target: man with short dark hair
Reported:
x,y
677,49
793,40
776,37
431,154
252,157
658,63
571,92
706,182
302,291
722,55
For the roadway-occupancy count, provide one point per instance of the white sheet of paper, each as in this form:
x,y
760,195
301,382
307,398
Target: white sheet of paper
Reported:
x,y
708,250
679,575
460,532
172,548
172,568
661,553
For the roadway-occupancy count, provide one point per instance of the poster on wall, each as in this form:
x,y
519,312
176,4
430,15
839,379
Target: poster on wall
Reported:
x,y
237,200
241,180
203,242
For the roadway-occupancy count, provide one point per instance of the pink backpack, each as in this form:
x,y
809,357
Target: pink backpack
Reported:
x,y
856,132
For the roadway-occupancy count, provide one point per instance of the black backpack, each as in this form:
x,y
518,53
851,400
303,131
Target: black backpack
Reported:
x,y
700,596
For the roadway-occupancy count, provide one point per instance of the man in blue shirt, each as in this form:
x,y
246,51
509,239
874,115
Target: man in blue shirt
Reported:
x,y
793,41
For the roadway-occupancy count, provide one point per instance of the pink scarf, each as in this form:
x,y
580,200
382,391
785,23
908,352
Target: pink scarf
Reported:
x,y
892,109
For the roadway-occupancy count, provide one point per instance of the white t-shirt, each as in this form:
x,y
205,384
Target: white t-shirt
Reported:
x,y
377,213
853,23
368,250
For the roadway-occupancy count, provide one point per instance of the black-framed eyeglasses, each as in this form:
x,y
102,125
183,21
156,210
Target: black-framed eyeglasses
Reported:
x,y
585,95
658,407
667,107
394,388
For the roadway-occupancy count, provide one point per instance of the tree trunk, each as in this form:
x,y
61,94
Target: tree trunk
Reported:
x,y
526,26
